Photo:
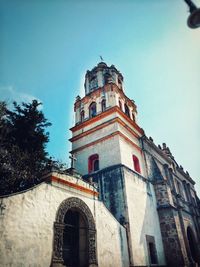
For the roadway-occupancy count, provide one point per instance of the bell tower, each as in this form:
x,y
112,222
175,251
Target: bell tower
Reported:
x,y
106,131
106,141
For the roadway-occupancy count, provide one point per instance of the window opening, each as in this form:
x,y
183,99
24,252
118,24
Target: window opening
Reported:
x,y
192,243
151,246
107,78
82,115
93,82
152,253
127,110
136,164
92,110
120,104
93,163
103,105
179,190
119,83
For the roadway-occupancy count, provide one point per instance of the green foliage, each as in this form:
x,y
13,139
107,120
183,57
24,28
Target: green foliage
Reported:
x,y
23,139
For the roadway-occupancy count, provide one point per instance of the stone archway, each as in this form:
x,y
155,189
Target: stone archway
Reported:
x,y
192,244
77,204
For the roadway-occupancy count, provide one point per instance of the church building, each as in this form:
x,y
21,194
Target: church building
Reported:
x,y
124,202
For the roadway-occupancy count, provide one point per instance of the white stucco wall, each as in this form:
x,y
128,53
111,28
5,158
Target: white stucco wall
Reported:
x,y
108,151
26,228
143,219
96,135
94,124
127,151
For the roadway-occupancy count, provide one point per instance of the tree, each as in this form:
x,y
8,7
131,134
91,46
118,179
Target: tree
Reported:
x,y
23,139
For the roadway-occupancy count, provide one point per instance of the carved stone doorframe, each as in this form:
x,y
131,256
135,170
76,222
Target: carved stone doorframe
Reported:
x,y
59,226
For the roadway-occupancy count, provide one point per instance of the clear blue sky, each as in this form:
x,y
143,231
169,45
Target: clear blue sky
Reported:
x,y
47,46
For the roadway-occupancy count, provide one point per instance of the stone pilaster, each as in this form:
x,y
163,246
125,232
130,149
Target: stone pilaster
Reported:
x,y
173,242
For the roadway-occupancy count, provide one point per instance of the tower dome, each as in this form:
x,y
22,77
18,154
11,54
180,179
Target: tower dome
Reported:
x,y
101,75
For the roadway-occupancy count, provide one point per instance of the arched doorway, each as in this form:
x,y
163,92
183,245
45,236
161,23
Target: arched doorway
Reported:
x,y
192,244
75,250
74,235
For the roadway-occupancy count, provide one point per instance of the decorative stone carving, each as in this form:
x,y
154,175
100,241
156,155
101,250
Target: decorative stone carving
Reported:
x,y
67,204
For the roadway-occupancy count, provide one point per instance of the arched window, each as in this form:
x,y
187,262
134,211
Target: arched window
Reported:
x,y
126,110
119,83
82,115
136,164
120,104
107,78
192,244
103,105
93,109
93,163
133,116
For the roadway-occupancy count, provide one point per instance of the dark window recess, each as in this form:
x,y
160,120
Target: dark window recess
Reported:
x,y
103,105
120,105
119,83
93,163
126,110
82,115
75,251
96,165
152,249
192,244
179,188
152,252
93,110
133,115
107,78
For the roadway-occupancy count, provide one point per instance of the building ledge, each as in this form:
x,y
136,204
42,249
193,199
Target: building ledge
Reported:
x,y
69,181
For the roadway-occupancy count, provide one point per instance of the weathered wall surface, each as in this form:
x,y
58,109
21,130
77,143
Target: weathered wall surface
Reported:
x,y
26,228
177,206
131,199
111,189
143,218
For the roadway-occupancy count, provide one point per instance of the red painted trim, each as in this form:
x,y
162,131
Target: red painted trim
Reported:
x,y
105,138
103,115
72,185
92,120
103,125
106,88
